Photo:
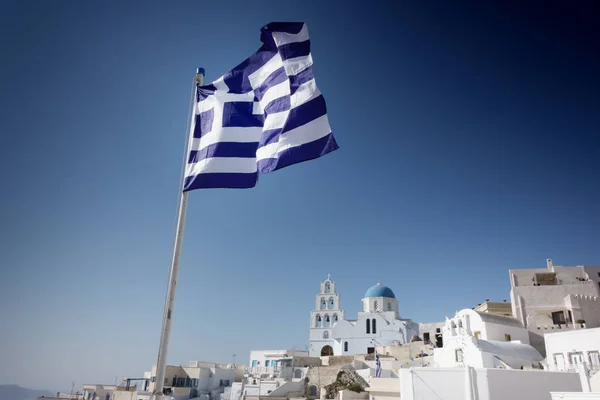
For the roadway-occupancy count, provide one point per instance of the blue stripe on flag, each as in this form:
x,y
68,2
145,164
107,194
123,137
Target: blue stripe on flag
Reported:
x,y
293,50
239,113
237,79
287,27
295,155
302,77
278,76
270,136
278,105
204,123
224,149
306,112
205,91
220,180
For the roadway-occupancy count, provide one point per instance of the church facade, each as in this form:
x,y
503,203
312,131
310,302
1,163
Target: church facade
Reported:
x,y
379,324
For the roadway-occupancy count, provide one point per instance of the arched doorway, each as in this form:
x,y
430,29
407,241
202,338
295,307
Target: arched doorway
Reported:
x,y
326,351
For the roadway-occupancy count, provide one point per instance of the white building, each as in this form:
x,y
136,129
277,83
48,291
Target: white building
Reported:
x,y
379,324
431,333
568,350
555,298
199,378
485,340
467,383
273,361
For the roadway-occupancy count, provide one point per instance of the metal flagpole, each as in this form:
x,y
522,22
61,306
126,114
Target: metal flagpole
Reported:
x,y
165,334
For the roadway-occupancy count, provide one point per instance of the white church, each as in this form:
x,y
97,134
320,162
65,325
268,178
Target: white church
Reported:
x,y
379,324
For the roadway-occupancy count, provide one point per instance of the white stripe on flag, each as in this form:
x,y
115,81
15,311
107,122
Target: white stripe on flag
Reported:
x,y
314,130
294,66
275,92
282,38
258,77
276,120
222,164
229,134
307,91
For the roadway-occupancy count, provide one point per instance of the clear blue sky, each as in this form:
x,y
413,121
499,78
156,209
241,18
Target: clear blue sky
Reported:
x,y
468,145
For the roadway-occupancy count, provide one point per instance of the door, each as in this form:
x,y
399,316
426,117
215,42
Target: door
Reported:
x,y
576,359
594,359
559,361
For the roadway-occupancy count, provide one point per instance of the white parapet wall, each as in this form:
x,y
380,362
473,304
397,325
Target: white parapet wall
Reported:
x,y
350,395
574,396
485,384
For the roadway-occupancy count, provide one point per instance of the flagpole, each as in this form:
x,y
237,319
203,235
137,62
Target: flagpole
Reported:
x,y
165,334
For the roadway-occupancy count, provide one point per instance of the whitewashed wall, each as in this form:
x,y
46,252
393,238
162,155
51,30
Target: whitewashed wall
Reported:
x,y
561,345
490,384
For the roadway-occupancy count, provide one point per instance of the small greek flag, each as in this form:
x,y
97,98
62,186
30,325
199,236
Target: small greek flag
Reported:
x,y
377,365
261,116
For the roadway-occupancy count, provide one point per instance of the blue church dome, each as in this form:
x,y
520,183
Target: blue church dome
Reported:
x,y
380,291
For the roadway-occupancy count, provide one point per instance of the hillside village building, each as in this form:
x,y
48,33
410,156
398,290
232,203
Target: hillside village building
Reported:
x,y
485,340
379,324
555,298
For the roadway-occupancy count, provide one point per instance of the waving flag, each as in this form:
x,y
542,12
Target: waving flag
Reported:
x,y
261,116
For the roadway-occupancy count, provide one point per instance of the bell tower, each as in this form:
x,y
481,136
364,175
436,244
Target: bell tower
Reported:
x,y
326,314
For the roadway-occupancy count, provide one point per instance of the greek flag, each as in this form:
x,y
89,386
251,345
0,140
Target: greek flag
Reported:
x,y
377,365
261,116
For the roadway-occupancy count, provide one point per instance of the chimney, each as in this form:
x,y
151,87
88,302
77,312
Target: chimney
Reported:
x,y
549,263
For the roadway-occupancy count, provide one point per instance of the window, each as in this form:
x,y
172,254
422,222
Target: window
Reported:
x,y
318,322
576,358
426,337
335,318
326,335
323,304
559,361
558,318
268,363
458,354
345,346
437,330
107,396
224,382
507,337
594,357
298,374
389,306
545,279
328,287
331,303
374,326
375,305
327,321
368,326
